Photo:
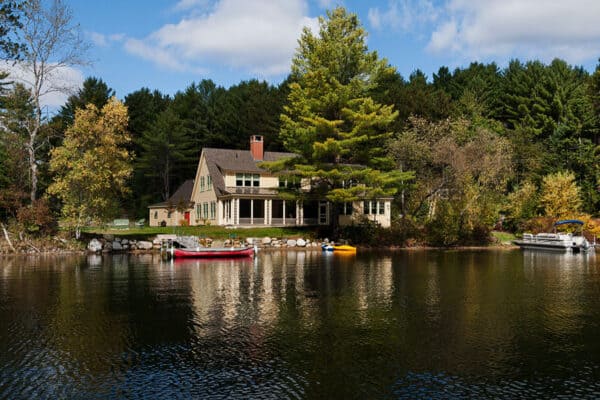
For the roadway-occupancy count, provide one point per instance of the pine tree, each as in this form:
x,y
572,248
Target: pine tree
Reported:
x,y
165,151
337,131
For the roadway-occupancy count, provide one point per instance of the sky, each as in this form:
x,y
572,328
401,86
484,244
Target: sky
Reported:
x,y
168,44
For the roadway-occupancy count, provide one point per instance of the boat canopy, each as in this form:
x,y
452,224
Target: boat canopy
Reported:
x,y
569,221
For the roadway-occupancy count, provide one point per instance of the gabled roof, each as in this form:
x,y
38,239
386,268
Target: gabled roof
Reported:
x,y
182,195
220,160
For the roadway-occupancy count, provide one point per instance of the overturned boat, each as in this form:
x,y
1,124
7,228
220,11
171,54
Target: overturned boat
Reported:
x,y
556,241
224,252
182,247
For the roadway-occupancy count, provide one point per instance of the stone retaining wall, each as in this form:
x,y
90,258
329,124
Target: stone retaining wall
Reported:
x,y
109,243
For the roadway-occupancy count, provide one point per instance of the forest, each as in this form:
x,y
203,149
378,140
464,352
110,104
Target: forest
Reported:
x,y
466,150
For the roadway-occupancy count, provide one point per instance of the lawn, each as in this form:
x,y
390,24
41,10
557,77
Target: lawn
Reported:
x,y
503,237
213,232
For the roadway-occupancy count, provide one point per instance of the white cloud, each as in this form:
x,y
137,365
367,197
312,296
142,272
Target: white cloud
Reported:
x,y
184,5
60,82
404,15
516,28
329,3
98,39
258,36
102,40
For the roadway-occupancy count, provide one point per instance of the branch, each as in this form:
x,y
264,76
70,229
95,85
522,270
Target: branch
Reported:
x,y
7,238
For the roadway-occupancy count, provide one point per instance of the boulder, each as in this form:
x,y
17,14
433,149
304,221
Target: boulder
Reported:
x,y
124,241
94,246
291,243
266,240
301,243
250,241
116,246
144,245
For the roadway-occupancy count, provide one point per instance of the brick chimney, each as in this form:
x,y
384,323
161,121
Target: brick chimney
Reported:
x,y
256,147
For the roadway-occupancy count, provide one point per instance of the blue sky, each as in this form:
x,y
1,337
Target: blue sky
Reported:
x,y
167,45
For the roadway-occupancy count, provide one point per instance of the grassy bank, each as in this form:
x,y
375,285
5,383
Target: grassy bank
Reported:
x,y
213,232
503,237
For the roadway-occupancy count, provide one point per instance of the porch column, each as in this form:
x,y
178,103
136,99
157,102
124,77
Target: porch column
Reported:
x,y
220,209
283,211
299,214
267,213
236,211
252,212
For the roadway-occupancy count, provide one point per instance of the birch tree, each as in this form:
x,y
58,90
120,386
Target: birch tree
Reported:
x,y
52,42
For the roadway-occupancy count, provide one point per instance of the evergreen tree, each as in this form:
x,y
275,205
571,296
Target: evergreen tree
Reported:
x,y
336,129
143,107
93,91
164,153
10,21
260,106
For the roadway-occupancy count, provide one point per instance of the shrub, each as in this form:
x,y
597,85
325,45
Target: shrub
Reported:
x,y
36,219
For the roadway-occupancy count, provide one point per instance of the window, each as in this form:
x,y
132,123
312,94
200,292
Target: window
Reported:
x,y
155,214
202,184
289,183
373,207
213,208
198,211
346,209
247,180
209,182
205,206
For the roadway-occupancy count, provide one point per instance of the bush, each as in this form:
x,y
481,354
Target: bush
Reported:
x,y
538,224
370,233
444,228
36,218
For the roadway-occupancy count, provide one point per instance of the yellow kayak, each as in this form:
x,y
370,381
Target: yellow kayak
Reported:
x,y
345,248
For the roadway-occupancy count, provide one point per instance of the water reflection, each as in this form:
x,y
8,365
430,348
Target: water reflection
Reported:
x,y
301,324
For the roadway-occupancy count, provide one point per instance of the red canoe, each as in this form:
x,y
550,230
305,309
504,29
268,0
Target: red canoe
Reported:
x,y
224,252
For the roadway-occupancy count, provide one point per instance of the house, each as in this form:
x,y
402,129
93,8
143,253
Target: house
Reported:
x,y
231,189
176,210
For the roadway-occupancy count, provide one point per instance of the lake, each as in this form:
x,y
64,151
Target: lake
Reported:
x,y
409,324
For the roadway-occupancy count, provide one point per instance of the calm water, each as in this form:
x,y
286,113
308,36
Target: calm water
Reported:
x,y
423,324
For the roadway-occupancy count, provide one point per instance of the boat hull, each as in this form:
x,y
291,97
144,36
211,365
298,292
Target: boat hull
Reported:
x,y
214,253
339,249
554,242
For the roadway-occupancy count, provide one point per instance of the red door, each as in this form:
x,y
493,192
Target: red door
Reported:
x,y
187,217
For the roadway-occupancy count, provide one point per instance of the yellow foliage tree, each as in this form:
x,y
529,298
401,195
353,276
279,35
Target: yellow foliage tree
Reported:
x,y
92,166
560,195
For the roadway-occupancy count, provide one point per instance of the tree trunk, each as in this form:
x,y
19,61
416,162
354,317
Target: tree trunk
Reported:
x,y
335,220
33,168
8,238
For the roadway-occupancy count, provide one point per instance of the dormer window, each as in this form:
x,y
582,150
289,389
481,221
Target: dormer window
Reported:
x,y
247,180
289,182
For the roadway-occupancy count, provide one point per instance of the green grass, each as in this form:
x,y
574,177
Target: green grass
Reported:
x,y
214,232
503,237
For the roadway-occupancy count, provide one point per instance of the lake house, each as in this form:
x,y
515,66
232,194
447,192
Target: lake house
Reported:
x,y
231,189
